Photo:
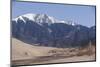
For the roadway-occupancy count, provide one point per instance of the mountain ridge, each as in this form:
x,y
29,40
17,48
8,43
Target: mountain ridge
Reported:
x,y
37,17
48,31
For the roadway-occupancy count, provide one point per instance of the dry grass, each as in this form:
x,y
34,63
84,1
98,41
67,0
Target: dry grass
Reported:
x,y
89,50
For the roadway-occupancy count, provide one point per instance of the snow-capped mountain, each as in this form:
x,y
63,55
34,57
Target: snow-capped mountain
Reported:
x,y
40,19
48,31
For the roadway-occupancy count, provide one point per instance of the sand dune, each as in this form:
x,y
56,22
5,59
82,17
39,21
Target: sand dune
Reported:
x,y
21,50
23,53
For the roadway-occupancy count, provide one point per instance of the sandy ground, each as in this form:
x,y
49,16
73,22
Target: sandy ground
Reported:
x,y
23,54
19,50
71,59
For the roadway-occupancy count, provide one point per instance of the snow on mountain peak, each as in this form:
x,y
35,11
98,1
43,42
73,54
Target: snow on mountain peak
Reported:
x,y
40,19
29,16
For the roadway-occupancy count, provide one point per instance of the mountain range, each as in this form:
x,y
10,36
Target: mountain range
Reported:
x,y
43,30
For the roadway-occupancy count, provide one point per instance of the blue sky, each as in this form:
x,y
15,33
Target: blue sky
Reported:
x,y
84,15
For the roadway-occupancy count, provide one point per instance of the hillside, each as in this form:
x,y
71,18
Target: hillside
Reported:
x,y
47,31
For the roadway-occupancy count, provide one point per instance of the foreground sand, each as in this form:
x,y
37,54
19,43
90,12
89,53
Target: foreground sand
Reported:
x,y
23,54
